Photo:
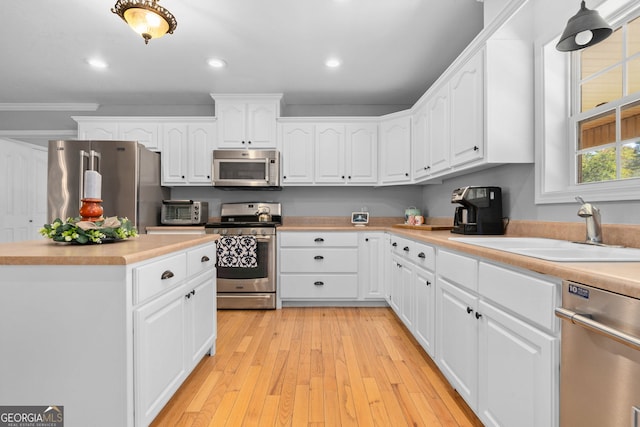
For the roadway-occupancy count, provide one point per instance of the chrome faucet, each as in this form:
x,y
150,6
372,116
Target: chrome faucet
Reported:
x,y
592,215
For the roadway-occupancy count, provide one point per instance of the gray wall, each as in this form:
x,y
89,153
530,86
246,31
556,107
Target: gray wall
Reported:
x,y
517,182
314,201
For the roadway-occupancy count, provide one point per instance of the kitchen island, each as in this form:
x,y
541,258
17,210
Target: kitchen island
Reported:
x,y
110,331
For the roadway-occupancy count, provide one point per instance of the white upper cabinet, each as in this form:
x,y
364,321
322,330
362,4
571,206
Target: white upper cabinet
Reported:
x,y
147,131
438,124
421,156
296,146
466,93
187,150
362,153
329,153
395,150
247,121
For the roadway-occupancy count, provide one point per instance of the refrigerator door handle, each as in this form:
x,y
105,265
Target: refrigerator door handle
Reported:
x,y
84,165
95,161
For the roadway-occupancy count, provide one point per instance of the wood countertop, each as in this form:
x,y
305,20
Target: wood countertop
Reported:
x,y
143,247
619,277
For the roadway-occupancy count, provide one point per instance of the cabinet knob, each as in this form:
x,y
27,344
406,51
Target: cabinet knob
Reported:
x,y
248,142
421,255
284,177
394,244
204,258
182,176
342,176
478,315
318,240
469,310
318,257
349,177
168,274
366,239
406,249
318,283
243,142
406,174
476,148
428,283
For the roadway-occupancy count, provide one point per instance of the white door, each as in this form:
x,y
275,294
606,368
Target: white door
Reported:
x,y
457,339
200,147
146,133
467,111
371,265
517,372
395,139
232,125
159,349
174,154
98,130
420,161
438,130
201,318
297,153
362,153
329,154
425,318
261,125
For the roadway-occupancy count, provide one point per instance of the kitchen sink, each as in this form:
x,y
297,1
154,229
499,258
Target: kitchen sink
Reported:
x,y
554,250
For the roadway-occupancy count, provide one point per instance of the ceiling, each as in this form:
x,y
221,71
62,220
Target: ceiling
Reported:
x,y
391,51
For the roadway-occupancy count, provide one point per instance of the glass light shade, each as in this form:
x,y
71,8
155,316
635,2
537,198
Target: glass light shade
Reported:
x,y
146,23
584,29
146,18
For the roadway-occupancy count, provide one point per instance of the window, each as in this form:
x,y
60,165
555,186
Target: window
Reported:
x,y
606,107
588,111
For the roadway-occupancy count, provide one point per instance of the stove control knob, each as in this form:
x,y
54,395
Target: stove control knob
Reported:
x,y
223,231
239,232
254,231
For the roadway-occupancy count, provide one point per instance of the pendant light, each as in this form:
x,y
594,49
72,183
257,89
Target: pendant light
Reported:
x,y
584,29
146,18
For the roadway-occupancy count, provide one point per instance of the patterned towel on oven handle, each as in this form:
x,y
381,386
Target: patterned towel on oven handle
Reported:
x,y
238,251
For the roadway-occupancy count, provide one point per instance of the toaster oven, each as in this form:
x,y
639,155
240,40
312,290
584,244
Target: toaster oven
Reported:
x,y
184,212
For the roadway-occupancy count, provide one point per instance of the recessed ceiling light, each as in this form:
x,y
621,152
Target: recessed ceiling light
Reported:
x,y
97,63
333,63
217,63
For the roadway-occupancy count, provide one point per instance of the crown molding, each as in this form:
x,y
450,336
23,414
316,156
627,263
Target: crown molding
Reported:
x,y
38,133
43,106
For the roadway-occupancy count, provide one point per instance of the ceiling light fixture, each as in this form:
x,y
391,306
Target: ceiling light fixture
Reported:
x,y
97,63
146,17
217,63
332,63
584,29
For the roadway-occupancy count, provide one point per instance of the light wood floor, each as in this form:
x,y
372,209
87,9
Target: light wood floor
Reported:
x,y
315,367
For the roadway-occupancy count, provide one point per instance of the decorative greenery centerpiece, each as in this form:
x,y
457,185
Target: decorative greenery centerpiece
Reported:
x,y
74,230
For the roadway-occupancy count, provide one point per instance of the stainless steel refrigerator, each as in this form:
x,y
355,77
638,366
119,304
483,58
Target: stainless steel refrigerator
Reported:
x,y
130,180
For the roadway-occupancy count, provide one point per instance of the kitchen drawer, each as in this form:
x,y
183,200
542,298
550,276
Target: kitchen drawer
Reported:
x,y
423,256
529,297
399,244
458,269
319,286
156,277
201,259
320,239
325,260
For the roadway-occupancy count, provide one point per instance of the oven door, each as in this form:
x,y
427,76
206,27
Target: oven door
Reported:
x,y
251,279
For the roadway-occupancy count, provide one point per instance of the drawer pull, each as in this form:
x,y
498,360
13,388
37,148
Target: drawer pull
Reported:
x,y
168,274
318,257
428,283
318,283
469,310
394,244
205,258
406,249
421,255
318,240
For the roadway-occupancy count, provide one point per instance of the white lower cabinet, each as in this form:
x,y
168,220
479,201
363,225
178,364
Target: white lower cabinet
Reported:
x,y
371,265
424,321
317,266
174,327
498,340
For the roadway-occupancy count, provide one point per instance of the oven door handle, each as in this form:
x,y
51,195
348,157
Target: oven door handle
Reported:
x,y
586,322
263,238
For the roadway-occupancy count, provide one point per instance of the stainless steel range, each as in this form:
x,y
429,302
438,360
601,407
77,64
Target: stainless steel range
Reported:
x,y
247,254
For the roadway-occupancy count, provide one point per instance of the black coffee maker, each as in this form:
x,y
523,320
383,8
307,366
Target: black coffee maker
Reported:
x,y
480,211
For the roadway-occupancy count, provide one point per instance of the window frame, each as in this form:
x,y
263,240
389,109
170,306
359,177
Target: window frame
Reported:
x,y
556,126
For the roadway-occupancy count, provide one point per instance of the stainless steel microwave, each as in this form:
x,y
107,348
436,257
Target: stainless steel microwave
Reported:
x,y
246,168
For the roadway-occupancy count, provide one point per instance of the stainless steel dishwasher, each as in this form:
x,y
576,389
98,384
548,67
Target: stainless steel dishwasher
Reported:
x,y
600,359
